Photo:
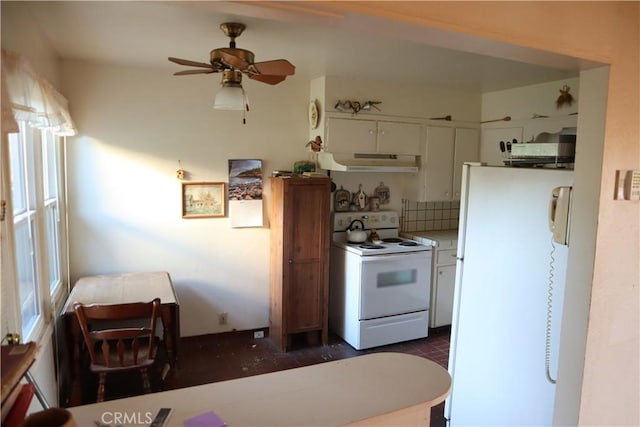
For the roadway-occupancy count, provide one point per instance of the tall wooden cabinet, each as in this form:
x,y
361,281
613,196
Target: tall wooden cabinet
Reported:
x,y
299,277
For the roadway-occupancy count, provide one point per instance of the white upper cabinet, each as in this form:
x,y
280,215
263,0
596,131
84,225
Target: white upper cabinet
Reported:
x,y
372,136
466,149
351,136
447,148
399,138
437,163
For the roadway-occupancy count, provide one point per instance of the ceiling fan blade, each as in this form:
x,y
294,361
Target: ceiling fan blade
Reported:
x,y
280,67
267,78
228,57
187,72
190,63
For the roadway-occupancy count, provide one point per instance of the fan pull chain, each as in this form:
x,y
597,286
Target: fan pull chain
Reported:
x,y
246,107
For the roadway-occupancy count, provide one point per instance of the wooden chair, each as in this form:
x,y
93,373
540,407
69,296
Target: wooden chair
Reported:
x,y
115,340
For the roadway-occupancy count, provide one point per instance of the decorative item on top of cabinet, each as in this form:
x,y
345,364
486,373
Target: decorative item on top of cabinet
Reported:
x,y
504,119
299,276
355,106
302,166
447,118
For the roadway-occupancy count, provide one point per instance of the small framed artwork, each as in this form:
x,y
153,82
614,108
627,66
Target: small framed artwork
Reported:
x,y
203,199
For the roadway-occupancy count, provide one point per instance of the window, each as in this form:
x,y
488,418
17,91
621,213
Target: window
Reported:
x,y
51,208
36,219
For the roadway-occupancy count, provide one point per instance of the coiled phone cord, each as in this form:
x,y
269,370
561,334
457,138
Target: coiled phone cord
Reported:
x,y
547,349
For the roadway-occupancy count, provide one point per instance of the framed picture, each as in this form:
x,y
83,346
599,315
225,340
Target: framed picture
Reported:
x,y
203,199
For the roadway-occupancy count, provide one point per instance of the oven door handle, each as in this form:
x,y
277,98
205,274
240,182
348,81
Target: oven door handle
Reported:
x,y
403,256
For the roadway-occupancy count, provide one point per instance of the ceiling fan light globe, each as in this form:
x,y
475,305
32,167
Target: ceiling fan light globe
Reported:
x,y
231,97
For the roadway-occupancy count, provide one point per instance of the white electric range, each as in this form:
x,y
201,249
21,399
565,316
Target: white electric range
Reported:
x,y
379,293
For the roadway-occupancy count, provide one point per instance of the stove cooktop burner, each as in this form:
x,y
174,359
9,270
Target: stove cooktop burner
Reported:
x,y
392,240
368,246
409,243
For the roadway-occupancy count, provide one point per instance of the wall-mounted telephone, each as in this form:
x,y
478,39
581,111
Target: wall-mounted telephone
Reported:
x,y
559,207
627,185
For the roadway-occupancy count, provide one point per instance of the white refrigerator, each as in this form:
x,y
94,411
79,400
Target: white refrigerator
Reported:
x,y
508,298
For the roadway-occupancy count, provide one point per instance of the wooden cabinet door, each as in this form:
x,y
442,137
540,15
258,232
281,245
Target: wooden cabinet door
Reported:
x,y
399,138
351,136
439,161
306,254
466,149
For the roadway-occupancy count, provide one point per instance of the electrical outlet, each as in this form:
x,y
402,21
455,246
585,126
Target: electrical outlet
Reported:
x,y
258,334
222,318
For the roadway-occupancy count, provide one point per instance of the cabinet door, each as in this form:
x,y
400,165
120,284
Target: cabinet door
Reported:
x,y
351,136
307,256
438,165
399,138
445,280
466,149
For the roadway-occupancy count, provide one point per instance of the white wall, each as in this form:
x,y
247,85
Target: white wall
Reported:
x,y
520,105
19,35
125,201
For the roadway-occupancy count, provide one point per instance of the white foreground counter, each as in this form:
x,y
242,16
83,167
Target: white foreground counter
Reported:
x,y
374,389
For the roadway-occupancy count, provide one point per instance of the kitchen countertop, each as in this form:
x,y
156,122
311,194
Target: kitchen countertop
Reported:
x,y
442,239
374,389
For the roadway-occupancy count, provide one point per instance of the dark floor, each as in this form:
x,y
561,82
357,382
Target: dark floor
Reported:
x,y
219,357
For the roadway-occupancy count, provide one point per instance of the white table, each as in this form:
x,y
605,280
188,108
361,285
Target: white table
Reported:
x,y
117,289
374,389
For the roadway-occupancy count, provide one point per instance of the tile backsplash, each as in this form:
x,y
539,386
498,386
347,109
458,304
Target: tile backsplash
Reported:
x,y
426,216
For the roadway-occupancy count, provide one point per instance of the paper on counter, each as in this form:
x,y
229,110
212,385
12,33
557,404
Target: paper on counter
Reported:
x,y
208,419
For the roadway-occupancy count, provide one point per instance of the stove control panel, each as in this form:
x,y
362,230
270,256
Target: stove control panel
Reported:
x,y
378,220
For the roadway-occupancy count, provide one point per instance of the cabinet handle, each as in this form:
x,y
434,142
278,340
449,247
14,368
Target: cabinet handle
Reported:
x,y
440,273
290,261
371,132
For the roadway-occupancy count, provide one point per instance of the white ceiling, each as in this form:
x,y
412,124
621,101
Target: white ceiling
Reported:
x,y
317,41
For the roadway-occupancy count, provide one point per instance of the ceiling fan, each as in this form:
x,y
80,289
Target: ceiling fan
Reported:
x,y
233,62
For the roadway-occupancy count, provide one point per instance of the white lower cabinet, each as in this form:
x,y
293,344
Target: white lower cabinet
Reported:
x,y
442,285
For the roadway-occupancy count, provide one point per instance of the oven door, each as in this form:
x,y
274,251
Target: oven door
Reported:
x,y
394,284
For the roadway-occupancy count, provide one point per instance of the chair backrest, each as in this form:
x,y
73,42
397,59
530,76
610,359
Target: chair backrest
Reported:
x,y
120,330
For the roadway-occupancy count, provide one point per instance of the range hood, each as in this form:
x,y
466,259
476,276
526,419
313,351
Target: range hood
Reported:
x,y
368,162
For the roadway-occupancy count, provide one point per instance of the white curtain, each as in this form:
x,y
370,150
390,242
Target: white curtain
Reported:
x,y
27,97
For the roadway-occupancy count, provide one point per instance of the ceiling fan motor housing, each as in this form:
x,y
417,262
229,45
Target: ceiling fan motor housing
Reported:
x,y
217,56
232,78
